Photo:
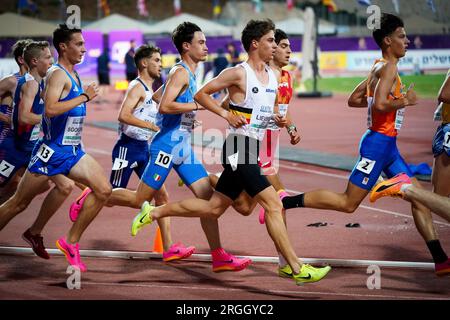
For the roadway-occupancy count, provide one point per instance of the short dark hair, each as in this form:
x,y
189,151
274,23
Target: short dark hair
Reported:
x,y
145,51
18,47
34,50
389,23
255,30
184,32
280,35
63,34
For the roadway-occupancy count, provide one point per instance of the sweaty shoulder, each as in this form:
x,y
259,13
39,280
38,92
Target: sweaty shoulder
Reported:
x,y
56,74
179,73
387,69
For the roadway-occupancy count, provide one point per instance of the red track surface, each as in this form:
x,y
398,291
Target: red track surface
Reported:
x,y
327,126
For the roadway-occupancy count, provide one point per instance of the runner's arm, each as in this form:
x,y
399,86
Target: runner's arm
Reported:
x,y
225,79
386,80
177,80
54,88
358,98
132,98
7,85
26,116
444,93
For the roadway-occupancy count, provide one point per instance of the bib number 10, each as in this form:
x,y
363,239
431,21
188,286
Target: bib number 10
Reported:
x,y
163,159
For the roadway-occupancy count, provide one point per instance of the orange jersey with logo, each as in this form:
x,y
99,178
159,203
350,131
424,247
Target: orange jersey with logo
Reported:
x,y
285,88
385,122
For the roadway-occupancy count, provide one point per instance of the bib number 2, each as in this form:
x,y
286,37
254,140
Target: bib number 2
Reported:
x,y
366,165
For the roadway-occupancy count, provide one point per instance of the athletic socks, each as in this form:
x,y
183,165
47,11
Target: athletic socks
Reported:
x,y
297,201
436,251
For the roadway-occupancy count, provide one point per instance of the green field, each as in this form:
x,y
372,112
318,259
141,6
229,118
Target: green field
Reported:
x,y
426,86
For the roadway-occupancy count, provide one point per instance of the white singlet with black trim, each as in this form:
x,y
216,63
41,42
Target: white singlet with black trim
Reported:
x,y
258,105
146,112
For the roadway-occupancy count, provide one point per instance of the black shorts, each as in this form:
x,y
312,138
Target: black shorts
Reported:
x,y
242,173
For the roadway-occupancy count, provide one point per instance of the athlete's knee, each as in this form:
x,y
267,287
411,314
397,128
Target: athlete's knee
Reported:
x,y
103,191
66,187
349,207
243,208
274,207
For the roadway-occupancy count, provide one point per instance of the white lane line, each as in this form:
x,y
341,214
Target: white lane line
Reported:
x,y
339,176
260,291
207,258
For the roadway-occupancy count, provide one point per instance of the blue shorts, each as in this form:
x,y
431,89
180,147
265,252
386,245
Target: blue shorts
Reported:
x,y
441,140
166,154
50,159
378,153
128,155
11,160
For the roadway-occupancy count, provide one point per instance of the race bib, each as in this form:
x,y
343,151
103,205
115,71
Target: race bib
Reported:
x,y
119,164
399,116
6,168
447,140
72,132
163,159
366,165
45,153
35,133
187,121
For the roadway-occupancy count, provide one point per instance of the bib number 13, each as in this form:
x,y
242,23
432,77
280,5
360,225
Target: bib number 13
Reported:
x,y
45,153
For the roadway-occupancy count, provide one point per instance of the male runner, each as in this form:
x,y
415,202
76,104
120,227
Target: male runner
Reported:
x,y
59,152
171,146
26,120
252,86
137,117
441,142
9,179
378,147
244,204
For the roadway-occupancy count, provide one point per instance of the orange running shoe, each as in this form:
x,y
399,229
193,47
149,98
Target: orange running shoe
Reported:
x,y
390,187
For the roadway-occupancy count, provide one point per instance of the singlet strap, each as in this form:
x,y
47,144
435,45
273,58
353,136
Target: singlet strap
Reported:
x,y
143,84
78,83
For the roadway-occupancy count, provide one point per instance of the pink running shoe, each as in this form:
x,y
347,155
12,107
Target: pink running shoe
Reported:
x,y
178,251
224,261
76,206
442,269
72,253
262,212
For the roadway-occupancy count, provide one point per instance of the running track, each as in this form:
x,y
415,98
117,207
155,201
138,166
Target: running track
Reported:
x,y
387,230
